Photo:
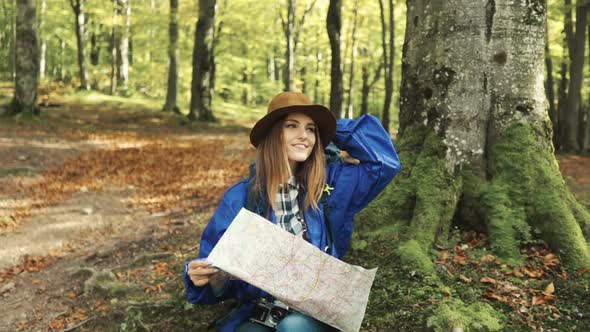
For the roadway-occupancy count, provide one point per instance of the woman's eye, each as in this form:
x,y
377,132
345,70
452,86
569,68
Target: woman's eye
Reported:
x,y
311,130
290,125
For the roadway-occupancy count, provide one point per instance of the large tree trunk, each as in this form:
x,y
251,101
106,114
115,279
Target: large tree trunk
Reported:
x,y
388,57
200,89
334,24
78,7
572,109
475,138
171,93
27,60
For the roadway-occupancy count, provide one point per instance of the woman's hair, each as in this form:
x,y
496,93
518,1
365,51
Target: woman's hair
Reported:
x,y
272,167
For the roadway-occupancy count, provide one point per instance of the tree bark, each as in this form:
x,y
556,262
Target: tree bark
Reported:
x,y
475,138
171,92
574,97
78,7
334,25
388,57
27,60
200,89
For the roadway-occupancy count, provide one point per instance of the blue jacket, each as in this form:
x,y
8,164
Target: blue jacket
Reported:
x,y
354,187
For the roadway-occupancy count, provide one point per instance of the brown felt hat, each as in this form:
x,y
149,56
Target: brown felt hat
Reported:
x,y
289,102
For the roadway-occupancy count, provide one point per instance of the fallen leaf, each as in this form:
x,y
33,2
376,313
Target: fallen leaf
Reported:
x,y
464,278
537,300
549,289
487,258
581,271
494,296
550,260
487,280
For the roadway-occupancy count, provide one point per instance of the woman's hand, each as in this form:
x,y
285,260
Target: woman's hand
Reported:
x,y
201,273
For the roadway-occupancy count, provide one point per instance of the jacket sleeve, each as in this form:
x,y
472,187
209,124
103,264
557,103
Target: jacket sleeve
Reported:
x,y
228,208
366,140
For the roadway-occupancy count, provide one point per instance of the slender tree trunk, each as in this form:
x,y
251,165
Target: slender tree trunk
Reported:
x,y
13,45
318,70
334,25
200,90
151,32
43,55
289,29
549,89
27,60
270,67
62,59
95,44
388,57
114,52
123,60
495,171
214,43
78,7
367,82
572,109
350,101
585,129
171,93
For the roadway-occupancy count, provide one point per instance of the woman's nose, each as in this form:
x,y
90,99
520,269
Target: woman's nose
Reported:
x,y
303,133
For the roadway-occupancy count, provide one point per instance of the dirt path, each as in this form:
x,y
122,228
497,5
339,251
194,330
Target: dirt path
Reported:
x,y
99,199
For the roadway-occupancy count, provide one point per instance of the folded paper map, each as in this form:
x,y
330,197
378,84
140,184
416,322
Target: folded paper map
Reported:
x,y
294,271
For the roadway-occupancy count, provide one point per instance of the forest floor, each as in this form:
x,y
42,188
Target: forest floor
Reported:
x,y
101,202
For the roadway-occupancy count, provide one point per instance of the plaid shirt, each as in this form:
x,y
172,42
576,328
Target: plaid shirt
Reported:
x,y
287,212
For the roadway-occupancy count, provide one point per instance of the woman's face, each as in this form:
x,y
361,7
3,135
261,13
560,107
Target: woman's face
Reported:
x,y
299,135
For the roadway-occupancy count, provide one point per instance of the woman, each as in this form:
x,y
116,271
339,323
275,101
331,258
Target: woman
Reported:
x,y
293,187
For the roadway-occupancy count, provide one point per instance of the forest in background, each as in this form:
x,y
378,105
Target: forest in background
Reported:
x,y
250,42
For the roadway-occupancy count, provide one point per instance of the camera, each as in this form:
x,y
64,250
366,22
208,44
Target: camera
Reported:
x,y
269,313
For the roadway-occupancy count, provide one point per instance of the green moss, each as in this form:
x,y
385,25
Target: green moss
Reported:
x,y
413,256
437,194
526,188
454,314
582,216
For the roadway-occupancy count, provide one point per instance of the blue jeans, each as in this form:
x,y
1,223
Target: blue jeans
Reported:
x,y
294,322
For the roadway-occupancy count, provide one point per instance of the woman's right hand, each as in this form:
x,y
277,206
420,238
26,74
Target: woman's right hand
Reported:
x,y
201,273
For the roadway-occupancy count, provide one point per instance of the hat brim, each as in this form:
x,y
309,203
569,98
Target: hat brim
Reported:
x,y
324,120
